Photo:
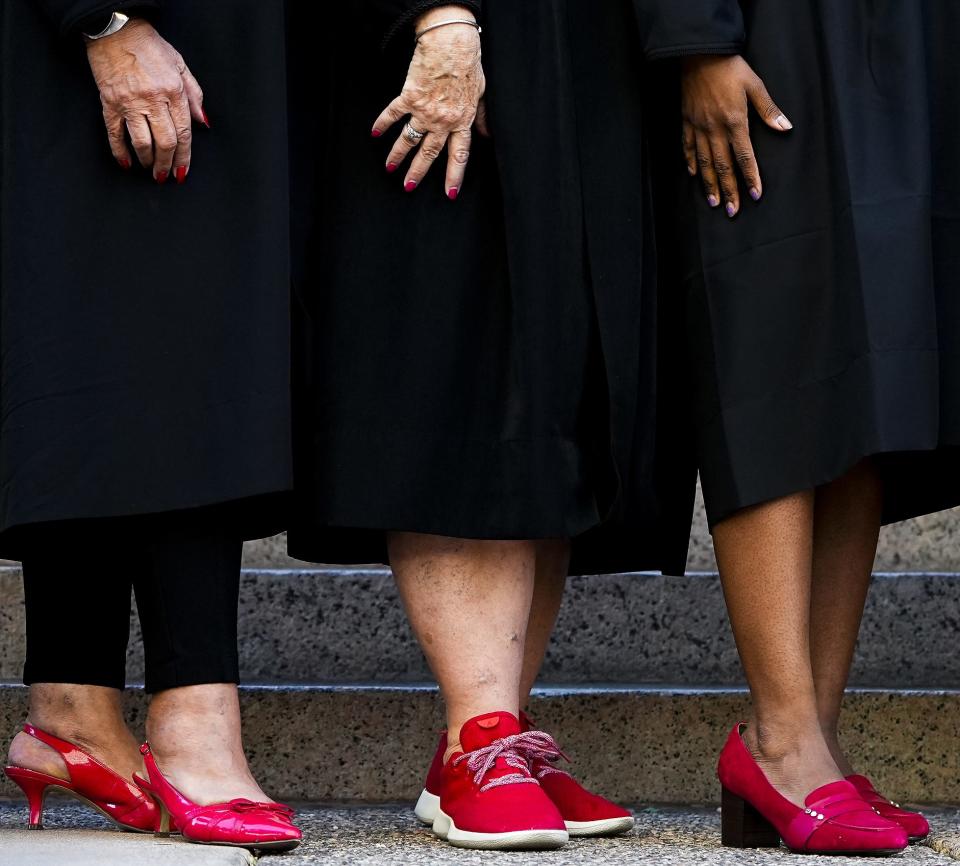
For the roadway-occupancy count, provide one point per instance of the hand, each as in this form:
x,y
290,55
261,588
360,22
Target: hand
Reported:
x,y
442,96
717,93
147,91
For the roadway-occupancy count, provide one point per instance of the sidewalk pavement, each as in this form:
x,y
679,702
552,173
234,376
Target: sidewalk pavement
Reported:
x,y
390,835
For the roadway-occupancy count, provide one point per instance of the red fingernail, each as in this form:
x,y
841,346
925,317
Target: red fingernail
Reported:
x,y
181,173
452,193
376,133
206,120
410,185
124,164
391,167
162,176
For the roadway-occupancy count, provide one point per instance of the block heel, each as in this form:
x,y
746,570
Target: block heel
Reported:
x,y
742,826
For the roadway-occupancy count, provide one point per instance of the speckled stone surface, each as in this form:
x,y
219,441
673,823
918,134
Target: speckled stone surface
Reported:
x,y
929,543
348,626
369,744
390,835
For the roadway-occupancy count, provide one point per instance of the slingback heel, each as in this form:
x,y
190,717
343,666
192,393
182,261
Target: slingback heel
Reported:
x,y
257,826
34,785
91,782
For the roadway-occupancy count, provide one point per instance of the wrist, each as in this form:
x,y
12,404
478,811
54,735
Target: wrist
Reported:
x,y
444,13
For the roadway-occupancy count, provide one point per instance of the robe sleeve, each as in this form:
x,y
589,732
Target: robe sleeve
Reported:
x,y
407,11
68,16
673,28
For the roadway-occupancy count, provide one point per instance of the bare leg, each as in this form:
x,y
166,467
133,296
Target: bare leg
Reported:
x,y
846,530
469,604
553,560
765,556
194,733
89,716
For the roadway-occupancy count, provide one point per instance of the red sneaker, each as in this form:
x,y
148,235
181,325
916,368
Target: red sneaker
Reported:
x,y
584,813
913,822
488,799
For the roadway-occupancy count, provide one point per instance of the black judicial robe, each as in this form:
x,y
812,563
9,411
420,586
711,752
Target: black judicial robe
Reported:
x,y
488,368
824,322
144,330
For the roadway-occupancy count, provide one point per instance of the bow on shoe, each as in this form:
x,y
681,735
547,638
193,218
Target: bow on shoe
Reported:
x,y
241,806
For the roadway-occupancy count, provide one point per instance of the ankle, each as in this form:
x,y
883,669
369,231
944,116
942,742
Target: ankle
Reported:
x,y
832,739
776,740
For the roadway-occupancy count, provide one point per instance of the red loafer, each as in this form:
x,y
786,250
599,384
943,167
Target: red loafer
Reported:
x,y
835,819
913,822
488,798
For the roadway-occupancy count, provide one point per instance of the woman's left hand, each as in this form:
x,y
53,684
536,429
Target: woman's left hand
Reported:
x,y
442,97
717,95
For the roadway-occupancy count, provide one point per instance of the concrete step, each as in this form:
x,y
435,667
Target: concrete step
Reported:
x,y
339,836
368,744
347,625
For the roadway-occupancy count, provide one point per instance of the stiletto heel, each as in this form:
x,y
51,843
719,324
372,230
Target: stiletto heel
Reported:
x,y
833,820
90,782
257,826
742,826
34,785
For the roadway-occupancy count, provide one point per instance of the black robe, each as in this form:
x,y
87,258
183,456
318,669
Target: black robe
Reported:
x,y
144,330
823,323
487,368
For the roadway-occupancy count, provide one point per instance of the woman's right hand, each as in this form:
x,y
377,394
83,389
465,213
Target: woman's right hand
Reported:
x,y
147,91
717,94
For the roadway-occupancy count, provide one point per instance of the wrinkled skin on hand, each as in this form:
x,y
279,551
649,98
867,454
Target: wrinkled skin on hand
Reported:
x,y
442,97
148,92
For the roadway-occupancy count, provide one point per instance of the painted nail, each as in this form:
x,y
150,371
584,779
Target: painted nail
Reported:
x,y
376,133
124,164
410,185
181,174
162,176
782,122
206,120
731,209
391,167
755,193
452,193
712,200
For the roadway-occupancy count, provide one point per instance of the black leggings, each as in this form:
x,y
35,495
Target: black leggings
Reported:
x,y
186,576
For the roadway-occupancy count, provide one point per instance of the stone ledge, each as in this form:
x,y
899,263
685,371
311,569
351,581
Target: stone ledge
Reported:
x,y
369,744
348,625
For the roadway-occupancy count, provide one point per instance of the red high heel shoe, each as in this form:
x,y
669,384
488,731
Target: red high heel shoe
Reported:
x,y
835,819
258,826
91,782
913,822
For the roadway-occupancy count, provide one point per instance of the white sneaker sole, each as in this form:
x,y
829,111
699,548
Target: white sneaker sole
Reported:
x,y
427,807
517,840
605,827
